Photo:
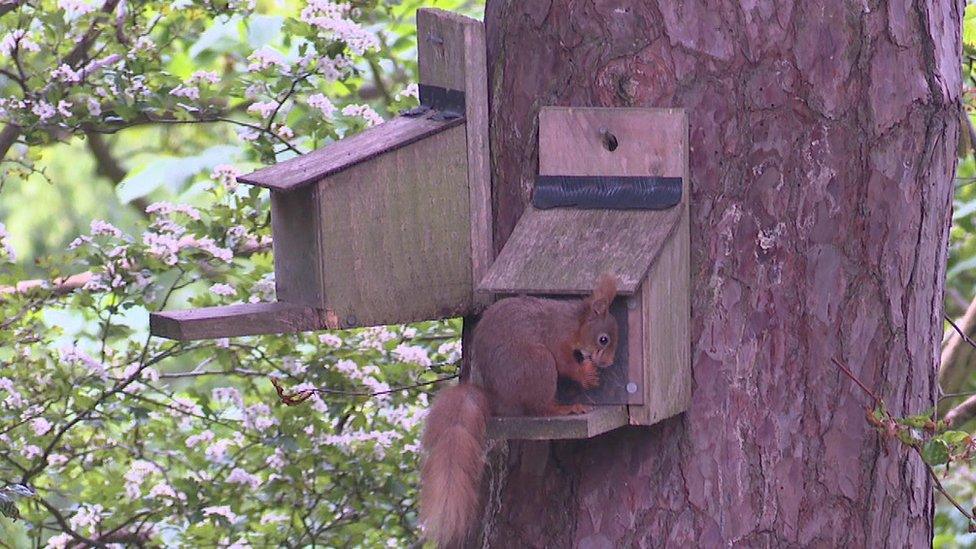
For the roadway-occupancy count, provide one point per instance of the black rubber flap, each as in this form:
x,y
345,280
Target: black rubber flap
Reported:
x,y
606,192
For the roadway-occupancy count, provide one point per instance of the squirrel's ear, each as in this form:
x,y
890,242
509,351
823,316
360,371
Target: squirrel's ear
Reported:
x,y
603,294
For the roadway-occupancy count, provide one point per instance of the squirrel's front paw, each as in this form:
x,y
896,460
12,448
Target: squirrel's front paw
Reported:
x,y
589,377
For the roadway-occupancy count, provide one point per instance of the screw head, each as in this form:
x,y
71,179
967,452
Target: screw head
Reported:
x,y
631,387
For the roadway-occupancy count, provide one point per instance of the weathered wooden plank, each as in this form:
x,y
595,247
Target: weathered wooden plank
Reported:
x,y
564,250
600,420
666,311
345,153
396,245
441,52
572,141
452,54
236,320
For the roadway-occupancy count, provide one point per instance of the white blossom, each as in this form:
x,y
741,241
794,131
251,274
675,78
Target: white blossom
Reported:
x,y
365,112
323,104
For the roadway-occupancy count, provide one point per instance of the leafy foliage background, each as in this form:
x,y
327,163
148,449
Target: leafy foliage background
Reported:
x,y
122,170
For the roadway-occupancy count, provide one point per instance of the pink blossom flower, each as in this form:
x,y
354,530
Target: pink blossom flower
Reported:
x,y
412,90
220,510
94,107
40,426
224,290
75,8
413,354
322,103
6,248
189,92
59,541
266,58
331,340
43,110
262,108
66,74
226,175
365,112
64,108
31,451
86,517
104,228
56,459
193,440
201,77
17,39
240,476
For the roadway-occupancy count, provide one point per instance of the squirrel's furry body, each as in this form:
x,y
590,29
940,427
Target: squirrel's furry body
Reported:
x,y
519,348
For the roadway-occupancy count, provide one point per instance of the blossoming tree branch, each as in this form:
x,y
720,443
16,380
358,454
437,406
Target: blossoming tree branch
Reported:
x,y
109,436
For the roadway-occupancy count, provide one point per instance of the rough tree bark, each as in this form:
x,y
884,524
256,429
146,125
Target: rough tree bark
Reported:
x,y
823,142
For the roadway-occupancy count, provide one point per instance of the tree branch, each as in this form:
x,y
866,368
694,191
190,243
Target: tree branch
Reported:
x,y
958,355
109,167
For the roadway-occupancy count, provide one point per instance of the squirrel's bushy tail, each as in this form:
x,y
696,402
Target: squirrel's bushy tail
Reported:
x,y
454,445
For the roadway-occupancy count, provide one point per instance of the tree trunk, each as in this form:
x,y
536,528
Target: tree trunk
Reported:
x,y
823,140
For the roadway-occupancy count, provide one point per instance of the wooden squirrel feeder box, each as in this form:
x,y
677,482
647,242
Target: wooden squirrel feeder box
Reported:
x,y
612,196
388,226
394,225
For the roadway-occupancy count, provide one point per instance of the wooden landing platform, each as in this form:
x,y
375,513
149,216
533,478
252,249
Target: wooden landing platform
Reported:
x,y
600,420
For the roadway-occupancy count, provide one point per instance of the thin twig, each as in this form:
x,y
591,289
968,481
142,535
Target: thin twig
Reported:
x,y
850,374
960,332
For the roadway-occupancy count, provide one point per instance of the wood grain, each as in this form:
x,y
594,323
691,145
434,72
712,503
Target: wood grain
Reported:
x,y
600,420
666,315
235,320
345,153
395,242
563,250
298,233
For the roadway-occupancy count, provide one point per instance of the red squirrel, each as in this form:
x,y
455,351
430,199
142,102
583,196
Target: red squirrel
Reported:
x,y
519,348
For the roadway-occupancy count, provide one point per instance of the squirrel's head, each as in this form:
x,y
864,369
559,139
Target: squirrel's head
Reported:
x,y
597,340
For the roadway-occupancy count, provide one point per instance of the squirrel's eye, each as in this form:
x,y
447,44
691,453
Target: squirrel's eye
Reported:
x,y
604,339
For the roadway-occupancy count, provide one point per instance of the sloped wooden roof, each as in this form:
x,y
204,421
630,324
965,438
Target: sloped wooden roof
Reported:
x,y
564,250
308,168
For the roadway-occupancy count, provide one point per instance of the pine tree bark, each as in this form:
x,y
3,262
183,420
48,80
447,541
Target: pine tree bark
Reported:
x,y
823,142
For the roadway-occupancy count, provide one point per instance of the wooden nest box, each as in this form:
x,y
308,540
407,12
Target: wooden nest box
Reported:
x,y
388,226
612,195
394,225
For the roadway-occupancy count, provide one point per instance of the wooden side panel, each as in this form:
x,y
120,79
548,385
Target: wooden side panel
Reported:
x,y
236,320
563,250
666,312
396,237
295,224
600,420
312,167
452,55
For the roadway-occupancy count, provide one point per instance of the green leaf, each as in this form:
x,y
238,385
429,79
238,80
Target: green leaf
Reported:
x,y
954,437
969,26
173,172
935,452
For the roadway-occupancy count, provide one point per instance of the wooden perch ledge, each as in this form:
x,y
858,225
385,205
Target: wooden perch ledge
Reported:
x,y
595,422
239,320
